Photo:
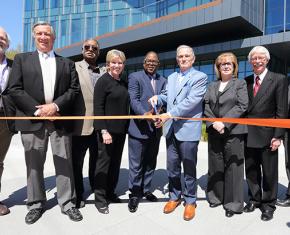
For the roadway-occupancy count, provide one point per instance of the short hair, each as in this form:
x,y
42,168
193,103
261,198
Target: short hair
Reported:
x,y
92,39
219,60
150,52
8,39
186,47
43,23
259,49
113,53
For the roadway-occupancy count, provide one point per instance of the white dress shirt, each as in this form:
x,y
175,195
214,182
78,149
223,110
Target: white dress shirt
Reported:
x,y
48,69
3,78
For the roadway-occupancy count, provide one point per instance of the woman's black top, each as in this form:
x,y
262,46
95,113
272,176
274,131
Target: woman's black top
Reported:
x,y
111,98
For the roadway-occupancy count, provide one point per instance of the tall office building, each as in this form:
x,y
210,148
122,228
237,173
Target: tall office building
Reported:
x,y
137,26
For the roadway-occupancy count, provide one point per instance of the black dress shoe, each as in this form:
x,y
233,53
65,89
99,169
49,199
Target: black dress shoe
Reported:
x,y
33,215
150,197
250,207
74,214
267,215
283,202
4,210
213,205
103,209
229,213
114,198
133,204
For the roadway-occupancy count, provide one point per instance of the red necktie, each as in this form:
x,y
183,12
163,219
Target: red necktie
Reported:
x,y
257,85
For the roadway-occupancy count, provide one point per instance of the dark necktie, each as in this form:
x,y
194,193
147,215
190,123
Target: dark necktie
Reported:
x,y
257,85
94,69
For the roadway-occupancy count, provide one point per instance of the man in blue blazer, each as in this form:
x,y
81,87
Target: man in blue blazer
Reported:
x,y
183,97
144,137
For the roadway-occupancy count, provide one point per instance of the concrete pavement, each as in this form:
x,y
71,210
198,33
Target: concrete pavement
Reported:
x,y
148,220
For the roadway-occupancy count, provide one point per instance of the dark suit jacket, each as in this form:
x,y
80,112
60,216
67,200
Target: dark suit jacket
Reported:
x,y
26,90
269,102
140,90
9,106
232,102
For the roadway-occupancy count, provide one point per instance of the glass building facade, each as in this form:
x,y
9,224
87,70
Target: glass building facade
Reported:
x,y
77,20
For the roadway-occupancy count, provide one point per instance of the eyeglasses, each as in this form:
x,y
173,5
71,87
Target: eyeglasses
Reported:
x,y
88,47
228,64
260,58
153,62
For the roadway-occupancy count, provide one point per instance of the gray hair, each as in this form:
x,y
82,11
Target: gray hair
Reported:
x,y
259,49
186,47
7,36
43,23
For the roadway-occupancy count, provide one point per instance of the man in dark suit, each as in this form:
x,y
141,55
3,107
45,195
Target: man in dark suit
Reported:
x,y
267,99
285,202
144,137
5,134
84,137
44,84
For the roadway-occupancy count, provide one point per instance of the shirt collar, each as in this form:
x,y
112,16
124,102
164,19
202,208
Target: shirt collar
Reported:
x,y
184,73
50,53
261,76
4,62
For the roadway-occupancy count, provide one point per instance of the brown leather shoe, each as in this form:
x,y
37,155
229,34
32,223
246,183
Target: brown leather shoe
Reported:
x,y
170,206
3,209
189,212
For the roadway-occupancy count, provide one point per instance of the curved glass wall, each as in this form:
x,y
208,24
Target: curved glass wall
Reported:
x,y
76,20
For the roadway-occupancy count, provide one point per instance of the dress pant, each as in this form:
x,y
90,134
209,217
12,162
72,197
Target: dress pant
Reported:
x,y
287,158
5,139
184,152
142,163
108,168
226,171
80,145
35,146
262,176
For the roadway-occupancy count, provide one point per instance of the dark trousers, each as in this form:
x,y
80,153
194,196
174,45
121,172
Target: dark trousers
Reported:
x,y
108,168
142,163
262,176
184,152
80,145
226,171
287,159
5,139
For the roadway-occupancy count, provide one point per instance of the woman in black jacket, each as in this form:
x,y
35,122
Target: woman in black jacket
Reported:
x,y
110,98
226,97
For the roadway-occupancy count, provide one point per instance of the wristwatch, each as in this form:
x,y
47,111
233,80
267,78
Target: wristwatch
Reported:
x,y
104,131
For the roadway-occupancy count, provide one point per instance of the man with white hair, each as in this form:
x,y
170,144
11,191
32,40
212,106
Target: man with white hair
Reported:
x,y
267,99
5,134
183,97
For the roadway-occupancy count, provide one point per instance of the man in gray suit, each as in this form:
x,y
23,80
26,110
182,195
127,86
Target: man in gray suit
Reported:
x,y
5,134
144,137
84,137
44,84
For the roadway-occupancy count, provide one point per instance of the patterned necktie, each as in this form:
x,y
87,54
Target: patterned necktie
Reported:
x,y
257,85
153,84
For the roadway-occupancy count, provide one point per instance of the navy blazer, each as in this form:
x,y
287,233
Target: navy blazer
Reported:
x,y
140,90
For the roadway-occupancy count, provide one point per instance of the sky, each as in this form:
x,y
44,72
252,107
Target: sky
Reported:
x,y
11,20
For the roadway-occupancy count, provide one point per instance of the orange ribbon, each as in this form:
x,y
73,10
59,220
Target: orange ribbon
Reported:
x,y
282,123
